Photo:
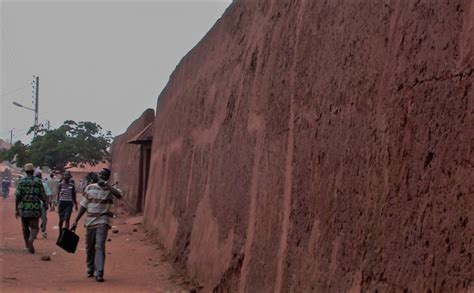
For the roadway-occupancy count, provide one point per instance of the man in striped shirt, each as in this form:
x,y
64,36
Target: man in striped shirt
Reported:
x,y
97,202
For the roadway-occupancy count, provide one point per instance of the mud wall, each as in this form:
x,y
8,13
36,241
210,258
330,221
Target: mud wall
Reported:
x,y
125,164
320,146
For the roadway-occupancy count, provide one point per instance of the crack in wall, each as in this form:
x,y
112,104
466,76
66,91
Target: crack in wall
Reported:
x,y
460,75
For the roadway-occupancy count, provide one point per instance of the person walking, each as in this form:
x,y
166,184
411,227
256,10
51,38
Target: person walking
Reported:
x,y
97,202
44,207
28,198
5,187
82,185
66,199
53,185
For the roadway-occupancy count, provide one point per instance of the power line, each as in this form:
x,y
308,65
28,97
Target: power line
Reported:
x,y
15,90
7,56
16,129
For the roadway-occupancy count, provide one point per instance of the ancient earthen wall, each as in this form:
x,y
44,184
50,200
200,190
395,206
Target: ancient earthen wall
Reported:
x,y
321,146
126,160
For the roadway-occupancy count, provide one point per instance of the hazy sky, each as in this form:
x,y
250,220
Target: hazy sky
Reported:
x,y
104,61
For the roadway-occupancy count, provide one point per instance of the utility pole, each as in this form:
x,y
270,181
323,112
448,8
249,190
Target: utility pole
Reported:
x,y
11,137
35,85
49,124
36,103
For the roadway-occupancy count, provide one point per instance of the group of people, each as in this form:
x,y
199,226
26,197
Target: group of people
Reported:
x,y
60,193
34,197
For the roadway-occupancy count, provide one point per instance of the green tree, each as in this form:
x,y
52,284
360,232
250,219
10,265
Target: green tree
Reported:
x,y
18,154
73,143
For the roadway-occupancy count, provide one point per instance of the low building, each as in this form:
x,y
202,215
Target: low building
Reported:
x,y
80,171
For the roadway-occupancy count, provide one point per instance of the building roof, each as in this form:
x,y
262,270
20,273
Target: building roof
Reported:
x,y
4,144
86,167
144,136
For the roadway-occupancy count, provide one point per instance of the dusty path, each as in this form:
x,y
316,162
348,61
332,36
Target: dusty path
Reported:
x,y
133,264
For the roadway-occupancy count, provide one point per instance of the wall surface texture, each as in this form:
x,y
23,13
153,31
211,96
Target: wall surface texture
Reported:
x,y
320,146
125,164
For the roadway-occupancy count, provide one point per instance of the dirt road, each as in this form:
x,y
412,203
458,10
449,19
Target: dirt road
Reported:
x,y
133,264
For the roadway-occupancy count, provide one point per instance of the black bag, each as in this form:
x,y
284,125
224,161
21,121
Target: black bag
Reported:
x,y
68,240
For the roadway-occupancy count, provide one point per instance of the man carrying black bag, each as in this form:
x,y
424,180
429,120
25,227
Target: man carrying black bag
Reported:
x,y
97,201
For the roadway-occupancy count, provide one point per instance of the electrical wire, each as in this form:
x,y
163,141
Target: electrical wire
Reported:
x,y
15,90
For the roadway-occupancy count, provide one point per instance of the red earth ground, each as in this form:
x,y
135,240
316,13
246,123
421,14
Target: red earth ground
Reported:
x,y
133,263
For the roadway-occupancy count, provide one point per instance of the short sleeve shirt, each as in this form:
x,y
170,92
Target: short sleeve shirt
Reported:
x,y
29,194
99,203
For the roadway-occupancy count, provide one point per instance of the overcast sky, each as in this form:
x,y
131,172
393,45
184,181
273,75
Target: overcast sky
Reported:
x,y
104,62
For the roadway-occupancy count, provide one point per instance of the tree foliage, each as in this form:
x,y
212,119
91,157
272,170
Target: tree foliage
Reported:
x,y
72,143
18,153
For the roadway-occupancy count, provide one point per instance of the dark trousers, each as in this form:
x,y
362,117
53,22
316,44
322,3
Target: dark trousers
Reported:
x,y
30,229
95,247
5,192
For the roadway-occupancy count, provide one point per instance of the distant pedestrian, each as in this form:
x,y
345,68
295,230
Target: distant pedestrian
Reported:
x,y
53,185
44,207
82,185
66,199
97,202
28,198
5,187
